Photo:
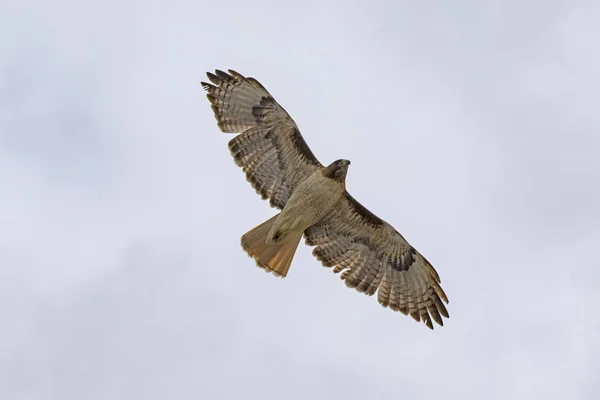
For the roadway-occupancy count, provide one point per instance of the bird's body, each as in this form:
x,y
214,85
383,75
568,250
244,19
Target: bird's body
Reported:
x,y
314,198
314,203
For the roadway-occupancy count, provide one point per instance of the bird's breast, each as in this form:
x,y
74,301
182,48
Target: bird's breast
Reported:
x,y
312,200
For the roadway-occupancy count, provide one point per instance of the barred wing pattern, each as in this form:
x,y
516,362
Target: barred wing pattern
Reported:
x,y
375,257
270,149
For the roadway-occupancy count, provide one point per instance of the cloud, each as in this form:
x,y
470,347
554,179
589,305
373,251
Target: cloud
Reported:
x,y
121,210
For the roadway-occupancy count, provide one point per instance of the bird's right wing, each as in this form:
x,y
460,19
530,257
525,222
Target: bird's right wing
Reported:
x,y
270,149
374,257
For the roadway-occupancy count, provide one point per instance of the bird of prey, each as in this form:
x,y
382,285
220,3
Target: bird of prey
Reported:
x,y
370,254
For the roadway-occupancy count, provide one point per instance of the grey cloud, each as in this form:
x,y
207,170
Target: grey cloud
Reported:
x,y
121,274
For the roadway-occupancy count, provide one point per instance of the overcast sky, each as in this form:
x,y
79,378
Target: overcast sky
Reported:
x,y
472,127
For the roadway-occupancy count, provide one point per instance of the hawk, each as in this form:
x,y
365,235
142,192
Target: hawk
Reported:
x,y
370,254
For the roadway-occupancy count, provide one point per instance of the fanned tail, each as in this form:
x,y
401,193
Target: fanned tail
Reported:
x,y
273,256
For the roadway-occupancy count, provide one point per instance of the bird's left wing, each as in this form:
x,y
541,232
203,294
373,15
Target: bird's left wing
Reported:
x,y
375,257
270,149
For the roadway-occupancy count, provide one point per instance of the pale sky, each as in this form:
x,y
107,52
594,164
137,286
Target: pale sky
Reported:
x,y
472,127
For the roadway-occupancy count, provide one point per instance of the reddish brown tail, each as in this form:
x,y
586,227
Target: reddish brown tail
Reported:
x,y
275,257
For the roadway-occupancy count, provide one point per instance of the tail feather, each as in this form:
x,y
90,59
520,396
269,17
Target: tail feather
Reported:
x,y
274,257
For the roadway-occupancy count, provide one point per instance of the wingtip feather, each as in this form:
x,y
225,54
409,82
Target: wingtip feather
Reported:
x,y
236,74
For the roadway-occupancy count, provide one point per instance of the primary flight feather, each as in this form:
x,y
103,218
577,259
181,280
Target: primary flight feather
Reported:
x,y
370,254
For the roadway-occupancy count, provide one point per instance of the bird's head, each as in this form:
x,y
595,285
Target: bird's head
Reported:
x,y
337,170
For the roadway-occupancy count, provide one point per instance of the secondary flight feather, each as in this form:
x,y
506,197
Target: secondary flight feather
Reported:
x,y
368,252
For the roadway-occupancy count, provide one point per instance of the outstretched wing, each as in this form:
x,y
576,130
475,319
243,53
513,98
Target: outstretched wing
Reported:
x,y
374,256
271,151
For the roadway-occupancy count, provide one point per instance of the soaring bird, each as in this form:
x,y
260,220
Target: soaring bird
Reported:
x,y
370,254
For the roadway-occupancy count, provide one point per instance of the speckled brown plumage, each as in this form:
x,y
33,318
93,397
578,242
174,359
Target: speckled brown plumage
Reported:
x,y
368,252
